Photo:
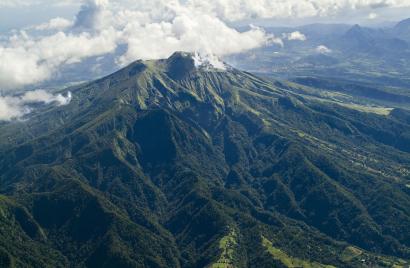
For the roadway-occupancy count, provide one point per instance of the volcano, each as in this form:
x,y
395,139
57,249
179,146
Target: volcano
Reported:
x,y
171,163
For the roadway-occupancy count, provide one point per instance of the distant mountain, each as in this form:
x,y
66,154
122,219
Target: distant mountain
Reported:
x,y
360,34
403,26
402,29
362,54
184,163
372,41
324,29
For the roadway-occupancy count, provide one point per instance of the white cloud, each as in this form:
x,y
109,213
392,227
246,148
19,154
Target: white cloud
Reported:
x,y
25,60
234,10
19,68
155,30
93,15
295,36
186,32
240,9
42,96
11,109
13,3
28,3
372,16
14,107
206,61
54,24
277,41
323,49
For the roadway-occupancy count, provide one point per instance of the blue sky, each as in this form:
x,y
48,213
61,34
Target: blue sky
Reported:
x,y
19,16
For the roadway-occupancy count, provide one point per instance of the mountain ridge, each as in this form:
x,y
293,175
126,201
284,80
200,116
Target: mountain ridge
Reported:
x,y
156,167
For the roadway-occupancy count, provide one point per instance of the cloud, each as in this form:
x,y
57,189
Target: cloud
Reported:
x,y
295,36
372,16
26,60
93,15
54,24
13,3
10,108
42,96
234,10
19,68
155,30
240,9
14,107
208,61
323,49
186,32
276,40
29,3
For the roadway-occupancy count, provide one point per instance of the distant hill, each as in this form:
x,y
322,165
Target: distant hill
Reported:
x,y
318,60
373,41
402,29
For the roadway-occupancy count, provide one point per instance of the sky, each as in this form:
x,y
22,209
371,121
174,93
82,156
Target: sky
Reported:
x,y
40,37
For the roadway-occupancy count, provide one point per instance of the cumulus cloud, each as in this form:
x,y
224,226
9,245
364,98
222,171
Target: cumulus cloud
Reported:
x,y
11,109
239,9
186,32
323,49
26,60
14,107
42,96
54,24
372,16
94,15
155,29
295,36
234,10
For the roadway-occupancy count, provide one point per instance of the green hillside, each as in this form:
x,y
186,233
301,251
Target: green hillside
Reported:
x,y
164,164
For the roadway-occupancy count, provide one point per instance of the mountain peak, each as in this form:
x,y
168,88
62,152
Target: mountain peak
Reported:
x,y
140,162
181,63
359,37
355,31
405,22
403,26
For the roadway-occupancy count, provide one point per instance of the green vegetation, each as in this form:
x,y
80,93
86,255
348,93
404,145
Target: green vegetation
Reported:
x,y
355,255
147,167
288,261
227,245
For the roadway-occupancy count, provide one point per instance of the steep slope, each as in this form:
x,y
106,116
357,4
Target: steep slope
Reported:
x,y
170,164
